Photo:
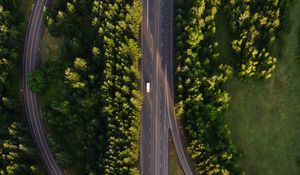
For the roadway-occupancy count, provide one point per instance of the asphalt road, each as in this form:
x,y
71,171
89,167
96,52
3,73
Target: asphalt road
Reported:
x,y
158,116
31,102
154,129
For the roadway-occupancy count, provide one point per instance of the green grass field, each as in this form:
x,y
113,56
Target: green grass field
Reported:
x,y
264,116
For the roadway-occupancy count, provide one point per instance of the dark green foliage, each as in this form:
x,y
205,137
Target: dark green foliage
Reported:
x,y
298,39
255,24
17,156
118,47
93,99
285,6
72,98
37,81
200,98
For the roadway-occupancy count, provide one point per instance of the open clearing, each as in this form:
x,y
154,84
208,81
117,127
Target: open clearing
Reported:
x,y
264,116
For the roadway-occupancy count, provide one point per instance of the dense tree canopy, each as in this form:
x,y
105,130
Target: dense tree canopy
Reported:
x,y
17,156
118,23
200,98
94,116
255,24
200,75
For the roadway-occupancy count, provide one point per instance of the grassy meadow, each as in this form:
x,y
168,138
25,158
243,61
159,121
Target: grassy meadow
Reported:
x,y
264,115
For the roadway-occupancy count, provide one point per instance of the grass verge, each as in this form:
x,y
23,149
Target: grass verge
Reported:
x,y
25,8
174,164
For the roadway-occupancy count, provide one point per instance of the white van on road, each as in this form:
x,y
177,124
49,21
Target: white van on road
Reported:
x,y
148,87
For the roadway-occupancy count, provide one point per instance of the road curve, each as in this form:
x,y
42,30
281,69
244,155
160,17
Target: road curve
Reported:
x,y
31,103
169,83
176,137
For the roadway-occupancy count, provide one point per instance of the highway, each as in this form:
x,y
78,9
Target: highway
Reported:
x,y
158,116
31,102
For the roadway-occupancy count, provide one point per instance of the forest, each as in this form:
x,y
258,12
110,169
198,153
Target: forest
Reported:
x,y
201,99
94,114
255,24
90,89
17,153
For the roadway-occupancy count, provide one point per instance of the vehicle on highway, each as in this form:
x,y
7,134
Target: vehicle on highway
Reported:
x,y
148,87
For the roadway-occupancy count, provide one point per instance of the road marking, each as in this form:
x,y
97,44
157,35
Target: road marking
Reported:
x,y
172,47
36,111
147,13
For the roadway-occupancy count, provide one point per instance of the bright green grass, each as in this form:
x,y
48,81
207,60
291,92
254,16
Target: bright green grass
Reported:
x,y
264,116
